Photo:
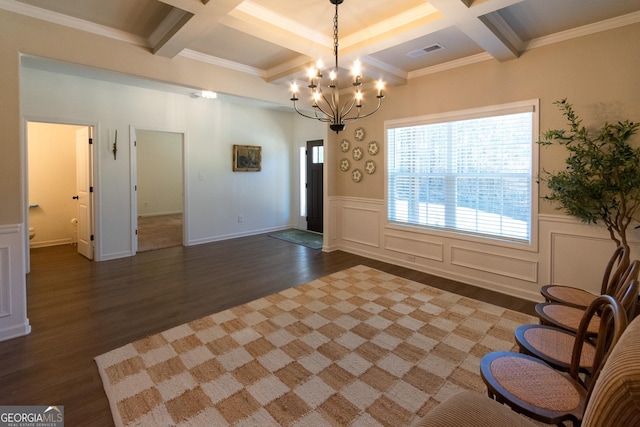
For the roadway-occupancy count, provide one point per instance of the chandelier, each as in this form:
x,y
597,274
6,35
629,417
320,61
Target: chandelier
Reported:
x,y
326,101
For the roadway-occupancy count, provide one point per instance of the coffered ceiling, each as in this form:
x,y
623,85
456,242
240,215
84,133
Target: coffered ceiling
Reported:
x,y
278,39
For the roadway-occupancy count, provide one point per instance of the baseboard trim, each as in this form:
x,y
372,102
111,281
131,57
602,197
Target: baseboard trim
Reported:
x,y
48,243
15,331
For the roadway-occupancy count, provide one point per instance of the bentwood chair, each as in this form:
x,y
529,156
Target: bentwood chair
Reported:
x,y
555,346
580,298
534,388
613,401
565,317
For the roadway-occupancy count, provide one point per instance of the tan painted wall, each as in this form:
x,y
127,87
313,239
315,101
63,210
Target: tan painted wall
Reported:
x,y
599,74
23,35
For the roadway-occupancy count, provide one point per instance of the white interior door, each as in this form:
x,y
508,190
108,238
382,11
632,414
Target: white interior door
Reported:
x,y
84,193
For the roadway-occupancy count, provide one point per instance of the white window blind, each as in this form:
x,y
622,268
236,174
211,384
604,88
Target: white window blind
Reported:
x,y
469,173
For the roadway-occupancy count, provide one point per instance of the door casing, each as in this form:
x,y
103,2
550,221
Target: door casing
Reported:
x,y
92,166
315,188
84,192
134,184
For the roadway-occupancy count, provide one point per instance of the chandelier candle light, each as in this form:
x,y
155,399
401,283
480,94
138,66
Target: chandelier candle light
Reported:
x,y
327,104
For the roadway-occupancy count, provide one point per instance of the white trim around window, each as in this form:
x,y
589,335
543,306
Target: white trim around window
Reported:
x,y
468,174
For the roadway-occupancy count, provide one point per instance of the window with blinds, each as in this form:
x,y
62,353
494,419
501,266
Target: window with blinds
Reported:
x,y
468,172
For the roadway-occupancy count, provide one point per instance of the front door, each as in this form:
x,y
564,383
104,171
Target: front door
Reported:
x,y
84,193
315,163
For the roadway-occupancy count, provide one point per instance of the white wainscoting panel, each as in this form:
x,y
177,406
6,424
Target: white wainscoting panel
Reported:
x,y
413,247
333,225
571,266
568,251
360,225
13,299
494,263
577,253
5,284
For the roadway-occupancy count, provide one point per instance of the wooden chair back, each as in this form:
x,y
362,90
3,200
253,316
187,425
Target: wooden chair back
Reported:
x,y
626,293
618,265
612,325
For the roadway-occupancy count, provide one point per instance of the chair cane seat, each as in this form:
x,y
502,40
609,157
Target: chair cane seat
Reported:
x,y
612,402
565,317
573,297
554,346
533,387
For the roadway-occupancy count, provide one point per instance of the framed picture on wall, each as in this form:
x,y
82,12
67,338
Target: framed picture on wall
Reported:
x,y
247,158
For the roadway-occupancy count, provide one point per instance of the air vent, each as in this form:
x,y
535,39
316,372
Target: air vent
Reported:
x,y
429,49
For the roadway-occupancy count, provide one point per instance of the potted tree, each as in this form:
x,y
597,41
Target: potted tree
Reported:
x,y
601,181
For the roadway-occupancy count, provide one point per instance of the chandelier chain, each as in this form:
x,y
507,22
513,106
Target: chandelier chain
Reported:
x,y
335,36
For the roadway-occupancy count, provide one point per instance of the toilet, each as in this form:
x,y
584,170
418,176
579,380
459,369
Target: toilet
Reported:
x,y
32,233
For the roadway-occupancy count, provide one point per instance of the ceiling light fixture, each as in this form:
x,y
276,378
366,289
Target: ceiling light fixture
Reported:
x,y
207,94
326,103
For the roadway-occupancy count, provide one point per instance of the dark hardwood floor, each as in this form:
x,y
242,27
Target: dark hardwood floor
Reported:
x,y
79,309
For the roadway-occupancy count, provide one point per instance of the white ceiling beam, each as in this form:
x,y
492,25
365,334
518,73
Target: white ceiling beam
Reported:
x,y
483,7
191,6
489,39
394,30
186,24
378,70
482,30
195,17
302,41
254,20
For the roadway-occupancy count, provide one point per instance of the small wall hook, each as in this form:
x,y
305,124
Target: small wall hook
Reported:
x,y
115,146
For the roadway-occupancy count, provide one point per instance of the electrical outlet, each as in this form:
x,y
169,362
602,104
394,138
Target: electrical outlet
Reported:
x,y
240,218
411,258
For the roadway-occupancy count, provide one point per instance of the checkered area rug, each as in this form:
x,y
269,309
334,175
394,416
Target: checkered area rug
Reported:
x,y
359,347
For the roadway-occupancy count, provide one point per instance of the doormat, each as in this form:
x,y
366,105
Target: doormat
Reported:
x,y
300,237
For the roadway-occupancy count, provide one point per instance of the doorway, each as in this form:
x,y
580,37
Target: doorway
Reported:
x,y
159,189
315,190
60,186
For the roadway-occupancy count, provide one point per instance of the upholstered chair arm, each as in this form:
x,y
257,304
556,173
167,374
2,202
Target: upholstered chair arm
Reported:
x,y
470,409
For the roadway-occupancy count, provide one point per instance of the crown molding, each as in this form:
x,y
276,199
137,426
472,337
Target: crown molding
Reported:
x,y
71,22
480,57
390,69
212,60
585,30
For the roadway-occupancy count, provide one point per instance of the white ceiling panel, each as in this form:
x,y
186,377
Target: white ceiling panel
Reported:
x,y
440,47
277,38
139,17
537,18
236,46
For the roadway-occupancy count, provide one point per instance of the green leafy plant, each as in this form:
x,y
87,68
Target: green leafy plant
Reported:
x,y
601,181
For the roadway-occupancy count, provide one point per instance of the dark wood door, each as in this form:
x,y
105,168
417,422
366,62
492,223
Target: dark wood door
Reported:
x,y
315,162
